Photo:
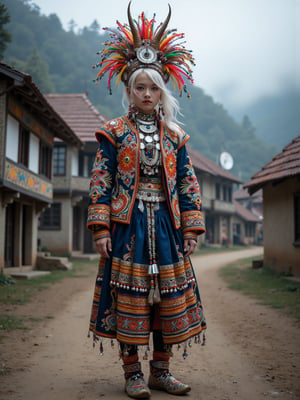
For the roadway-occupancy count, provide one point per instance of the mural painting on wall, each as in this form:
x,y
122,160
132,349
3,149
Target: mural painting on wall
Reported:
x,y
27,181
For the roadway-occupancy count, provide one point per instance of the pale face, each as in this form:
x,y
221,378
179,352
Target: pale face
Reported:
x,y
146,94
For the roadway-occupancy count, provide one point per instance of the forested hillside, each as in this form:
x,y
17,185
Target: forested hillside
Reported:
x,y
61,62
277,118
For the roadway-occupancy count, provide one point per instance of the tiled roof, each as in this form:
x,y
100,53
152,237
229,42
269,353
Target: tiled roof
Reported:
x,y
257,212
206,165
243,194
244,213
24,88
284,165
79,113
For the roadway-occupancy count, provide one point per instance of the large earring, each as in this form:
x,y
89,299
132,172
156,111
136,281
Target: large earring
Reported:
x,y
132,111
161,112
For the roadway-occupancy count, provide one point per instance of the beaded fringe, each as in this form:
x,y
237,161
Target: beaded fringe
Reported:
x,y
146,348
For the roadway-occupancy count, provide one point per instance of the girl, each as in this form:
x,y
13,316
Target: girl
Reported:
x,y
145,214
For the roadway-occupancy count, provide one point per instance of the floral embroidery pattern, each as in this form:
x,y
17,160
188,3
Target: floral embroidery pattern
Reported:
x,y
100,177
120,202
116,125
129,256
190,186
171,165
127,159
109,323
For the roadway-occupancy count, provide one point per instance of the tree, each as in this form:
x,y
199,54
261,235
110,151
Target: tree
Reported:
x,y
5,37
38,69
72,25
95,26
248,126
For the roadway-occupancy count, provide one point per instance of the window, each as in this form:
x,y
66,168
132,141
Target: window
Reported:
x,y
23,157
59,160
45,160
34,153
225,193
297,217
218,189
51,217
249,230
86,163
230,195
12,138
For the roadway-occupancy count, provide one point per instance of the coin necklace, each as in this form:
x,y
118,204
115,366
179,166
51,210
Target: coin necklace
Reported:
x,y
149,143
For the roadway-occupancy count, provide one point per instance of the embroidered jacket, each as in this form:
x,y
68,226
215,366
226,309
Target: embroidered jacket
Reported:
x,y
115,178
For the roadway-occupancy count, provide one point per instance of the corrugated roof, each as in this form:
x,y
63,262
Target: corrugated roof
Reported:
x,y
206,165
286,164
244,213
24,88
79,113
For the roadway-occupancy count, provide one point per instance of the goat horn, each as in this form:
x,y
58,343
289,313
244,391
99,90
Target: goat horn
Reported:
x,y
155,41
135,34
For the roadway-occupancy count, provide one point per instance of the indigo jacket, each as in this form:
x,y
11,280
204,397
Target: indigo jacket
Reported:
x,y
115,178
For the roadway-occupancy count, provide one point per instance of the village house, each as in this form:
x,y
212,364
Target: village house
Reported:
x,y
280,182
251,214
28,127
62,228
227,222
253,202
247,227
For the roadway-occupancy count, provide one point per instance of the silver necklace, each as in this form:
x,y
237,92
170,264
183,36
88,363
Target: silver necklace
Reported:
x,y
149,143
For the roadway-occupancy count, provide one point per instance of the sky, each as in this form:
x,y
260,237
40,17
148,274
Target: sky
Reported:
x,y
244,49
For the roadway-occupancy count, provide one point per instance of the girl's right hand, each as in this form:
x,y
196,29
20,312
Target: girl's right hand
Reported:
x,y
103,246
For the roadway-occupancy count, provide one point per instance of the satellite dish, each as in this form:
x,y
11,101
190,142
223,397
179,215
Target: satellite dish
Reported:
x,y
226,160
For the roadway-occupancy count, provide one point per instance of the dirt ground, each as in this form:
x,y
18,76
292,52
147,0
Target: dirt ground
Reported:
x,y
252,352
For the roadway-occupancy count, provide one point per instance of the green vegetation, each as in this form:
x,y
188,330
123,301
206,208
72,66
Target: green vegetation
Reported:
x,y
61,61
10,323
4,369
208,249
268,287
22,291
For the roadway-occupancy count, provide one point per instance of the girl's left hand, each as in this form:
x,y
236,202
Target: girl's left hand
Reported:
x,y
189,246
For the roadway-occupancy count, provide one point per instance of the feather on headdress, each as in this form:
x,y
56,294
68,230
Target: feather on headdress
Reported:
x,y
141,45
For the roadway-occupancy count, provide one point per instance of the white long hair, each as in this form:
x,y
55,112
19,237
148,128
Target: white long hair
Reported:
x,y
170,104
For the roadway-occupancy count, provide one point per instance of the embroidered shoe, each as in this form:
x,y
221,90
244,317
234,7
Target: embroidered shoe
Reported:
x,y
135,385
161,379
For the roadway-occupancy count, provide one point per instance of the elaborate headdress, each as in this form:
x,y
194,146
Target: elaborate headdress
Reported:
x,y
140,45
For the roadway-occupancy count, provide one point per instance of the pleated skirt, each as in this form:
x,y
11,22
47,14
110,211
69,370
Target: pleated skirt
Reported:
x,y
121,309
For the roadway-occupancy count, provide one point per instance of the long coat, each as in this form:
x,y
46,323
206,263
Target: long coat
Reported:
x,y
120,305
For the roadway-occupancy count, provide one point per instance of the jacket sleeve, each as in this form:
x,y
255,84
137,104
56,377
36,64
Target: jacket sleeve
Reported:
x,y
101,187
192,223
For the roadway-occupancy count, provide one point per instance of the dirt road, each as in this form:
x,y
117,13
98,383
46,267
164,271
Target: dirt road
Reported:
x,y
252,352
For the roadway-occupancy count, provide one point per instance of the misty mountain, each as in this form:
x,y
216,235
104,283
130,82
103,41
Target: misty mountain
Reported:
x,y
61,61
277,118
